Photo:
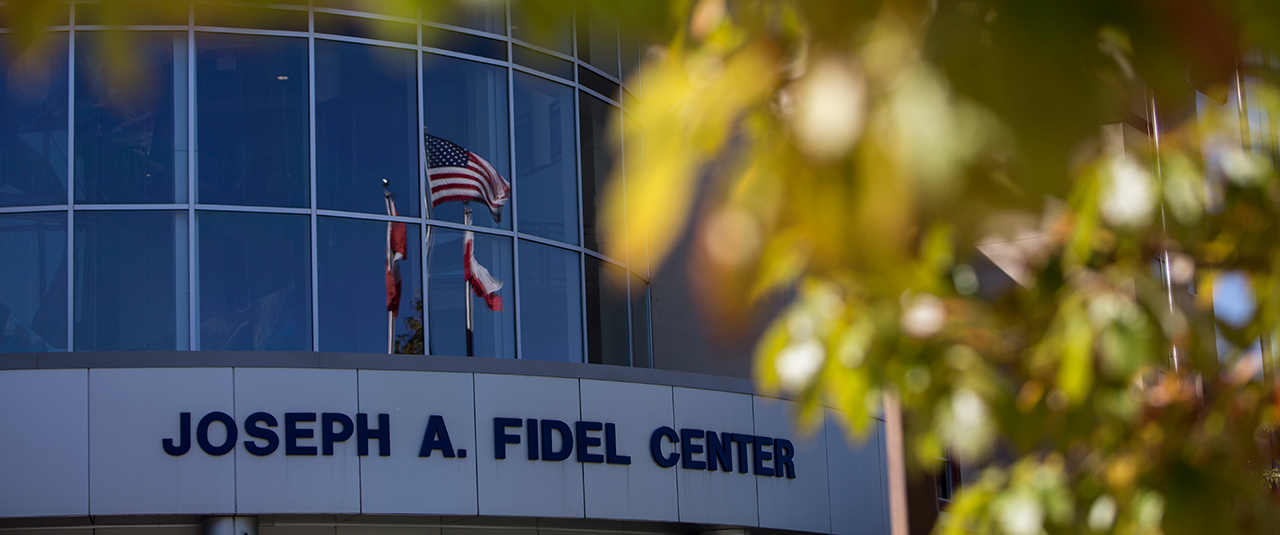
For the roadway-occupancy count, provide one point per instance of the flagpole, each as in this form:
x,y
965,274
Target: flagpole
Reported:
x,y
391,315
466,291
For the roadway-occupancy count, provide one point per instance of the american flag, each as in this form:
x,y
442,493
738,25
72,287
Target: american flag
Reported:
x,y
457,174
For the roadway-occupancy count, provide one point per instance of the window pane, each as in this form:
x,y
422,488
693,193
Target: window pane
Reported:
x,y
131,281
640,323
131,133
550,303
255,281
546,23
33,282
466,103
493,331
352,270
607,329
33,123
366,127
253,129
600,142
484,16
598,38
546,163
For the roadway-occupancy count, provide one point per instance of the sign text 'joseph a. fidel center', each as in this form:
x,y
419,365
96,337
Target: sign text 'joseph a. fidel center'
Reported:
x,y
543,440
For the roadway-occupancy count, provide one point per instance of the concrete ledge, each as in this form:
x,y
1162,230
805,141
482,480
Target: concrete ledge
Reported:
x,y
367,361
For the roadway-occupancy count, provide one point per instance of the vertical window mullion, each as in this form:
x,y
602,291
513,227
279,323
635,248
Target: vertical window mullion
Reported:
x,y
311,117
71,188
515,184
193,288
424,193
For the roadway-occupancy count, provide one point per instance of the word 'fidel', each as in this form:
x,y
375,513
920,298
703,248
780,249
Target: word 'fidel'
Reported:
x,y
544,440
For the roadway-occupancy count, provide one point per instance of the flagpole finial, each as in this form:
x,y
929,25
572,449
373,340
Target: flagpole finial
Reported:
x,y
386,183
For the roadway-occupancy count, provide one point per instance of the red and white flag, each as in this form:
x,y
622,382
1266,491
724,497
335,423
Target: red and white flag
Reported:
x,y
397,250
482,283
457,174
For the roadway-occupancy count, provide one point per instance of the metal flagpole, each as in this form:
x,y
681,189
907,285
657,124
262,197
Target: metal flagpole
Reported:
x,y
391,315
466,291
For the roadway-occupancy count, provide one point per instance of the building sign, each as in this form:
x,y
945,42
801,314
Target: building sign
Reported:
x,y
547,440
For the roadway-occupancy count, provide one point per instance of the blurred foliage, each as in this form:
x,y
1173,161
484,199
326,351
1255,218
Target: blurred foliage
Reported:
x,y
874,161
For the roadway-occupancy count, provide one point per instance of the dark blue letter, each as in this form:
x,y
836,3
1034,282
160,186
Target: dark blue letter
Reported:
x,y
202,433
585,441
252,429
292,433
742,441
655,446
688,449
761,456
566,440
382,434
327,434
532,438
611,447
435,427
718,451
785,452
184,437
501,438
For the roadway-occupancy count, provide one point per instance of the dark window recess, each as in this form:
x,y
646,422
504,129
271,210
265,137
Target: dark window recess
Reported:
x,y
488,17
465,43
542,62
251,18
607,328
395,9
55,16
597,83
132,14
400,32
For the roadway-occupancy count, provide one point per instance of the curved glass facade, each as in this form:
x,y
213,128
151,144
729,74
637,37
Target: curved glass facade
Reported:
x,y
221,186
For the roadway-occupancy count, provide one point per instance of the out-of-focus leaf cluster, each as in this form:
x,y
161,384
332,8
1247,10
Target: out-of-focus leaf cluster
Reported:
x,y
872,161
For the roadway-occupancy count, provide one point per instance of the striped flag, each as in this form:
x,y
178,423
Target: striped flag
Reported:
x,y
397,250
482,283
457,174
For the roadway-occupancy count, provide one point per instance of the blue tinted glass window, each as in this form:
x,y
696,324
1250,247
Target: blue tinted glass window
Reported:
x,y
607,328
466,103
550,303
366,127
253,130
33,122
493,332
640,323
601,141
546,159
33,282
352,272
131,133
254,281
131,281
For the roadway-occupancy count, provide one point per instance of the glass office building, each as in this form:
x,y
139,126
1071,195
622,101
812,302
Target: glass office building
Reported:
x,y
194,324
220,187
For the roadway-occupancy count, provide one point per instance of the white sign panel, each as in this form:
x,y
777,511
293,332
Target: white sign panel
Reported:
x,y
252,441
